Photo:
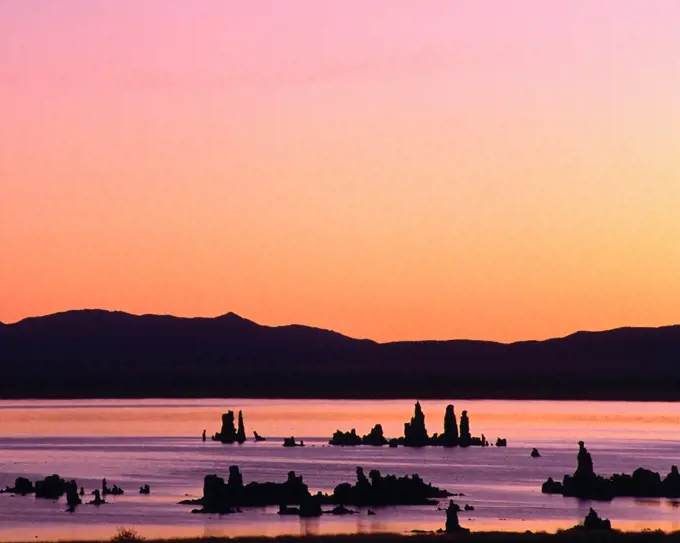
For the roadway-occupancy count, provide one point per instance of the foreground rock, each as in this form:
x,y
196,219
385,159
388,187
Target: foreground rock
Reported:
x,y
452,523
223,498
585,484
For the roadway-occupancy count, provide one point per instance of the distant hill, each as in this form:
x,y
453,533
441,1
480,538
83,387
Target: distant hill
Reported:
x,y
94,353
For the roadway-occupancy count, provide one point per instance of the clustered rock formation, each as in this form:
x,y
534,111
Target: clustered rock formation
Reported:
x,y
290,442
374,490
374,438
229,434
54,487
585,484
416,435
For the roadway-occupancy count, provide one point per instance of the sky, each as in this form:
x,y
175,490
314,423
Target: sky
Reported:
x,y
391,169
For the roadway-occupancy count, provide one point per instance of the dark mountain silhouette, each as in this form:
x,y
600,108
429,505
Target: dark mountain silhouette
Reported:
x,y
94,353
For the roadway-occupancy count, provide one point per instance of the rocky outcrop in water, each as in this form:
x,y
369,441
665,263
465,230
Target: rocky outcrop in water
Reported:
x,y
221,498
375,438
241,432
452,523
501,442
415,433
51,488
146,489
585,484
72,498
376,490
345,439
98,500
258,438
227,433
22,486
115,490
290,442
535,453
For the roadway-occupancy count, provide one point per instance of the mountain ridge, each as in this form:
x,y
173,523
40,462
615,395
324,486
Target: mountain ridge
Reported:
x,y
100,353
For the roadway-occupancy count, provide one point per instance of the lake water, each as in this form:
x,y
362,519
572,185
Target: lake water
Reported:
x,y
134,442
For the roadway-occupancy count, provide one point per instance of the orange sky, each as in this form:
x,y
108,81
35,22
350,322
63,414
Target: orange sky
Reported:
x,y
393,170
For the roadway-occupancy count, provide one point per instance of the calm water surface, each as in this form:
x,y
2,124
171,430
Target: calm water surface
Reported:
x,y
133,442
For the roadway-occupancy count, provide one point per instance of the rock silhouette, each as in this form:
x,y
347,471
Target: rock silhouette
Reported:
x,y
501,442
345,439
72,498
221,498
203,436
51,487
450,436
241,432
375,437
146,489
465,437
585,484
98,500
227,433
290,442
535,453
376,490
113,491
22,486
258,437
452,522
593,521
415,433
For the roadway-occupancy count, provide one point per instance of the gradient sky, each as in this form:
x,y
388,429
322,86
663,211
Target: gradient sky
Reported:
x,y
388,169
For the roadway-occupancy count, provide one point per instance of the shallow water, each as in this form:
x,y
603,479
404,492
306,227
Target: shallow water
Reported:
x,y
133,442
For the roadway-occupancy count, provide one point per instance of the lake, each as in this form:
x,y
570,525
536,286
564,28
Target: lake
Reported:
x,y
158,442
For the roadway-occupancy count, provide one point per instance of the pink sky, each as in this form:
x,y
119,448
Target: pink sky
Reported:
x,y
388,169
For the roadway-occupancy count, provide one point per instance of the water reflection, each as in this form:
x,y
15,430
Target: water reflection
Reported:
x,y
158,442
